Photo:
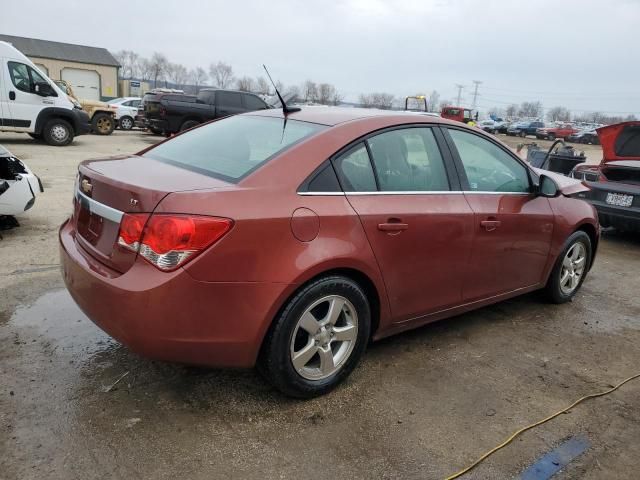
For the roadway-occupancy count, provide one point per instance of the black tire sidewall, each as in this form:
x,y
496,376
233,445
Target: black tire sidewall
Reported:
x,y
554,291
276,364
48,137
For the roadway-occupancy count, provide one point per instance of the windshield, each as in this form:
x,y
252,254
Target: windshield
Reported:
x,y
115,100
234,147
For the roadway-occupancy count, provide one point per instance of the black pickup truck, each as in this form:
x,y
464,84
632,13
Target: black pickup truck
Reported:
x,y
173,113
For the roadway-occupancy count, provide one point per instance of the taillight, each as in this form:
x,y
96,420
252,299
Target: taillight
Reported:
x,y
168,241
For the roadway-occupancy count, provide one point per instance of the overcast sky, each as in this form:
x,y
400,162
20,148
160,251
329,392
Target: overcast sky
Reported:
x,y
578,53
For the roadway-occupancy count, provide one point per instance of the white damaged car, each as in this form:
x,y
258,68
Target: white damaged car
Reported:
x,y
19,187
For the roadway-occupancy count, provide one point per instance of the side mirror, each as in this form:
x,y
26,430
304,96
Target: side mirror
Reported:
x,y
547,187
43,89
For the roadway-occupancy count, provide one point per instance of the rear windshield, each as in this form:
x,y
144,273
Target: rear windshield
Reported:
x,y
233,147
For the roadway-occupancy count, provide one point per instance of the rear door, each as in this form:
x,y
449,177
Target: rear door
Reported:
x,y
512,226
415,217
228,103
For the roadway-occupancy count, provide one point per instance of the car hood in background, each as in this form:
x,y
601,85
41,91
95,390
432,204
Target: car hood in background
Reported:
x,y
620,141
567,186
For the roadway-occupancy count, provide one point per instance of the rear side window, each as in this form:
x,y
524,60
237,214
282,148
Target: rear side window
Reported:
x,y
230,99
233,147
489,168
251,102
355,170
408,160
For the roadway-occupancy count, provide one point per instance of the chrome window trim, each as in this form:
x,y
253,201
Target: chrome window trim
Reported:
x,y
439,192
99,208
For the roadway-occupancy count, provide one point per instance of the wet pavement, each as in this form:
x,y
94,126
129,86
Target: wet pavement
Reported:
x,y
75,404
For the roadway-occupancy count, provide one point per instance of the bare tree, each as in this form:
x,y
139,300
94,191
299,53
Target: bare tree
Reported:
x,y
511,110
366,100
434,98
177,74
245,84
222,74
158,66
383,100
309,91
336,98
559,113
198,77
530,109
128,61
380,100
326,93
262,86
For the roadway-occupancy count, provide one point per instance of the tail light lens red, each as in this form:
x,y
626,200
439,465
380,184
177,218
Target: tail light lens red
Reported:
x,y
168,241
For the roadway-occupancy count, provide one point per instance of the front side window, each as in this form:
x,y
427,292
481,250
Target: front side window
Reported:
x,y
20,76
408,160
232,148
355,171
489,168
24,77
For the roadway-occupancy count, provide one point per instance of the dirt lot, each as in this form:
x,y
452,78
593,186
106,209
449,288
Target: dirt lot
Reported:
x,y
422,405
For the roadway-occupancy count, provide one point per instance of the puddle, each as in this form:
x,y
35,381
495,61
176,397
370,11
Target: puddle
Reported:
x,y
55,319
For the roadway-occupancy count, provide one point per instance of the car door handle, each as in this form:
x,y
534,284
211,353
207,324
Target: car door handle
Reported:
x,y
393,227
490,225
12,95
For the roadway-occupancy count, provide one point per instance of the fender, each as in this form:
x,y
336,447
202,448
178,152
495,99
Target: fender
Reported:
x,y
71,116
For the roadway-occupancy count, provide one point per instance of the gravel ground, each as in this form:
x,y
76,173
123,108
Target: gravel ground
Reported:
x,y
421,405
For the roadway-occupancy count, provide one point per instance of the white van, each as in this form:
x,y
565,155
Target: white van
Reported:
x,y
32,103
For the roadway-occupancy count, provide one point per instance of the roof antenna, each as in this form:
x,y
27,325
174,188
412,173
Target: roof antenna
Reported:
x,y
285,108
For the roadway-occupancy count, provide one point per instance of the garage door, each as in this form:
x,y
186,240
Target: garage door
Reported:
x,y
85,83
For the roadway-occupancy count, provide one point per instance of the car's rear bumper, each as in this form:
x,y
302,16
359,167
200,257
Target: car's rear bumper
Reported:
x,y
170,316
622,218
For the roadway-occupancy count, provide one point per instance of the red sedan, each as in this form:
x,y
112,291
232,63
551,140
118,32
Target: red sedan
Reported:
x,y
289,242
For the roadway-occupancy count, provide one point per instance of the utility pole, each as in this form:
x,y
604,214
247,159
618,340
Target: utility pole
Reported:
x,y
475,93
459,87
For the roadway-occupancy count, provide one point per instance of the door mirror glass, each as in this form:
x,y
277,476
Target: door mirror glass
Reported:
x,y
548,187
43,89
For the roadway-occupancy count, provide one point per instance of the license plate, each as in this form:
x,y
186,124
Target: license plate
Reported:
x,y
619,199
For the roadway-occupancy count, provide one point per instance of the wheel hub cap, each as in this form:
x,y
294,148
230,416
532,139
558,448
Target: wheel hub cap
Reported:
x,y
324,337
573,266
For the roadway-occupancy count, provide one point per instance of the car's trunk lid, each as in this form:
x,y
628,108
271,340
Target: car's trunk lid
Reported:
x,y
108,188
620,141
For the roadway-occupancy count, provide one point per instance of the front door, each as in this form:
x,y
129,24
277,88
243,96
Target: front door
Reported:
x,y
419,227
512,226
23,103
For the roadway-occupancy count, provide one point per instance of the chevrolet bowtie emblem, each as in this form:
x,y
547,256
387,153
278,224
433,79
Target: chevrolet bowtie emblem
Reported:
x,y
86,186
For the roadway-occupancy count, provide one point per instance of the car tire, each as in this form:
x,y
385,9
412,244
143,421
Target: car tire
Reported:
x,y
155,131
126,123
308,351
57,132
103,124
522,134
577,248
551,137
189,124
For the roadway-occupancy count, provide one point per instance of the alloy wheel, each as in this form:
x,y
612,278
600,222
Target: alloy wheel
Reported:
x,y
324,337
126,123
573,266
103,125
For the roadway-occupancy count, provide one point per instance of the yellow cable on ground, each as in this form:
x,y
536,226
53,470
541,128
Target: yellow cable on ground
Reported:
x,y
528,427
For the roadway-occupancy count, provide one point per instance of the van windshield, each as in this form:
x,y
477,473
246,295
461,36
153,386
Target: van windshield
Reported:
x,y
233,147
